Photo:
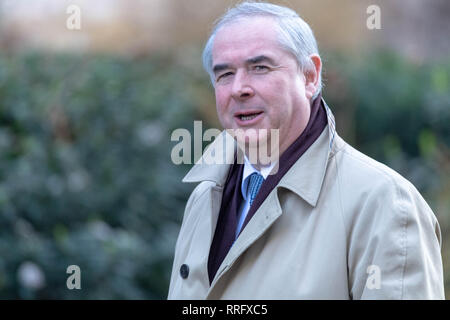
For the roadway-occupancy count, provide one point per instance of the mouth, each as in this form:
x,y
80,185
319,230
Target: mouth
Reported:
x,y
248,117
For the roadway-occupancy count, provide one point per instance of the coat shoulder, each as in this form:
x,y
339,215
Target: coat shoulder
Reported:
x,y
365,183
370,175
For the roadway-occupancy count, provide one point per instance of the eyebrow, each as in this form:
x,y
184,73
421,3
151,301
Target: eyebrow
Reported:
x,y
221,67
257,59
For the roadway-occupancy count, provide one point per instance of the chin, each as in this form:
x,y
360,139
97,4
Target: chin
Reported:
x,y
252,137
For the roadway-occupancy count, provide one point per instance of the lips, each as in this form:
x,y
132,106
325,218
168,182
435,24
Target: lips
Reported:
x,y
248,117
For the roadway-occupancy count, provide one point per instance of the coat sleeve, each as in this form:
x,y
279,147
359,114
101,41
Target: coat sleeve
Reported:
x,y
395,246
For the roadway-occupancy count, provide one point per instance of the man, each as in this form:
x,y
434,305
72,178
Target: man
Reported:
x,y
329,222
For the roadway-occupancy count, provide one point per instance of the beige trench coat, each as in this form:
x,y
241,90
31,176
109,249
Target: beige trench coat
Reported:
x,y
339,225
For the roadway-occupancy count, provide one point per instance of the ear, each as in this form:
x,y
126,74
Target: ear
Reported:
x,y
312,76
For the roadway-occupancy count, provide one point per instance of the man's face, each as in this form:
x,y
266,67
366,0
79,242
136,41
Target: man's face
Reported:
x,y
258,85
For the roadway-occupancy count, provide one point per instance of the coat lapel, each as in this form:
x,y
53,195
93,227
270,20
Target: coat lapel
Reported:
x,y
265,216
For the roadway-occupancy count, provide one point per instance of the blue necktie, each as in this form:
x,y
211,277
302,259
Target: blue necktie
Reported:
x,y
254,185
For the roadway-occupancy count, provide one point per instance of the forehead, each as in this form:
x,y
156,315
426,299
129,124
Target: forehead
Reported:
x,y
246,38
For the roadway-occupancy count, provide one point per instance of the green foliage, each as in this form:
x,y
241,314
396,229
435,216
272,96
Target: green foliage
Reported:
x,y
86,176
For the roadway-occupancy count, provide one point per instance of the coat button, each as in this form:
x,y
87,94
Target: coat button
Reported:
x,y
184,271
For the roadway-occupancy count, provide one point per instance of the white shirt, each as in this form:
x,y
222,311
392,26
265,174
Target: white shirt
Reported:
x,y
245,205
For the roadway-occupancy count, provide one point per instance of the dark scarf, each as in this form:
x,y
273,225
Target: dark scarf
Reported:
x,y
224,235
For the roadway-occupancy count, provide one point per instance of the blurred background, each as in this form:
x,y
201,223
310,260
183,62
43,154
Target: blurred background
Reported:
x,y
86,114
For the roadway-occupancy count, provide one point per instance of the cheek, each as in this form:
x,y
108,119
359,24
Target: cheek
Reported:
x,y
278,97
276,90
221,100
222,107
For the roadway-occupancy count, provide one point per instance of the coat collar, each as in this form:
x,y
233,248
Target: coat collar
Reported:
x,y
305,177
223,148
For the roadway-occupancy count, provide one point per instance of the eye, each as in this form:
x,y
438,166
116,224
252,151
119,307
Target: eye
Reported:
x,y
260,69
224,75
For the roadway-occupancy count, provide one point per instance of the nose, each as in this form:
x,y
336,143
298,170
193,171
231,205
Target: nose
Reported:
x,y
241,88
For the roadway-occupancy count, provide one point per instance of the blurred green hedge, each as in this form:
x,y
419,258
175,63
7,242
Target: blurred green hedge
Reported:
x,y
86,177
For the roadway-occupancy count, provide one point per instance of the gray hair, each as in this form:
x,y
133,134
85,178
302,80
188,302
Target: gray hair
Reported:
x,y
295,35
